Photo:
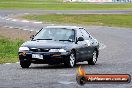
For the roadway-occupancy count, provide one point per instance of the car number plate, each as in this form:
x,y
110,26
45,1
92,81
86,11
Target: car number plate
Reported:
x,y
38,56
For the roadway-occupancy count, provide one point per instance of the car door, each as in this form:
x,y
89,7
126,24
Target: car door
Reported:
x,y
89,48
82,45
94,43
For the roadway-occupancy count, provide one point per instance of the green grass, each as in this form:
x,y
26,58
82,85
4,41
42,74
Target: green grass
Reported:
x,y
9,50
59,5
31,1
117,20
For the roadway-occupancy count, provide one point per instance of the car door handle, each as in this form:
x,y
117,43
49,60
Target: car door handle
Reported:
x,y
92,42
85,44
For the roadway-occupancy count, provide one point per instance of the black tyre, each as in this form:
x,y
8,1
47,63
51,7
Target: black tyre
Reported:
x,y
71,60
25,64
93,60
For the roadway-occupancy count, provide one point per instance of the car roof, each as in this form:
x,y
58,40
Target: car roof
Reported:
x,y
66,27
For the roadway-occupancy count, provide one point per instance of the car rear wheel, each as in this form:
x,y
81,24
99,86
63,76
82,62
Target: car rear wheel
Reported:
x,y
25,64
71,60
93,60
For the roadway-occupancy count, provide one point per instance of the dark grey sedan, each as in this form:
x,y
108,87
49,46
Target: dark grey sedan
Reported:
x,y
59,44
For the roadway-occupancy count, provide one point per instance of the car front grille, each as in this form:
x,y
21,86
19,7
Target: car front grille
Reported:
x,y
39,50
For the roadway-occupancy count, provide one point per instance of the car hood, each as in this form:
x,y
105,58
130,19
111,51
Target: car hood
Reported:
x,y
46,44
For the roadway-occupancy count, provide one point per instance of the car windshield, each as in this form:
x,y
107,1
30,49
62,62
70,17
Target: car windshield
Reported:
x,y
56,34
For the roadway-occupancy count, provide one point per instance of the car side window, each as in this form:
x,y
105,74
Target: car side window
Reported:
x,y
90,37
85,34
79,33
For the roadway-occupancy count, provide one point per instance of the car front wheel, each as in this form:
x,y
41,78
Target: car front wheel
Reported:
x,y
71,60
25,64
93,60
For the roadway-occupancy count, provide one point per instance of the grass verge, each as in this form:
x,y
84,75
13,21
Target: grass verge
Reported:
x,y
116,20
8,50
59,5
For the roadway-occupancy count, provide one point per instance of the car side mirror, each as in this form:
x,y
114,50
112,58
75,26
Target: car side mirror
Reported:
x,y
32,36
80,39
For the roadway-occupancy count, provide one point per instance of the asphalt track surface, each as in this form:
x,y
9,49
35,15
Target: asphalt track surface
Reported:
x,y
5,19
114,58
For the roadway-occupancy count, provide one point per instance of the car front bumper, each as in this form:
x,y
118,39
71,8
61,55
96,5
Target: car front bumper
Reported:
x,y
48,57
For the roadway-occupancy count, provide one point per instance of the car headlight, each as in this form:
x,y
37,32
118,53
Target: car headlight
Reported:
x,y
57,50
23,49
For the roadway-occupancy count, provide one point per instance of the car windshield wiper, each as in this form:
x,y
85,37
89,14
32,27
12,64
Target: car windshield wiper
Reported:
x,y
66,40
42,39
